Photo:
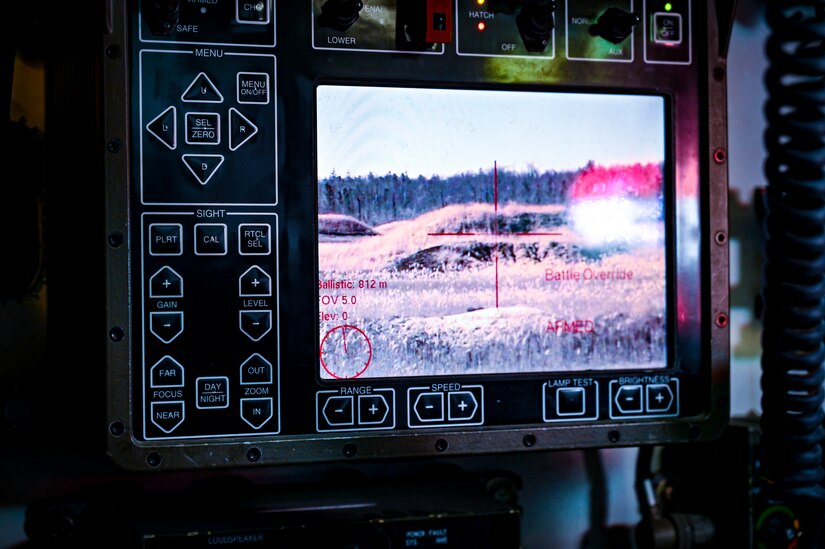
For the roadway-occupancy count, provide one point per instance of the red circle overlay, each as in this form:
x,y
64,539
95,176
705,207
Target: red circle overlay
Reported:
x,y
359,369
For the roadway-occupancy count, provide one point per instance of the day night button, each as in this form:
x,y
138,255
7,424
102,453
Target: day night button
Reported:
x,y
213,392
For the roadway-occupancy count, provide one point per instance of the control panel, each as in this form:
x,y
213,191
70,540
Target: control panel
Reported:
x,y
376,228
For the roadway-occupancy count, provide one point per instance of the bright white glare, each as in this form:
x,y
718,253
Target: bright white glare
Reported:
x,y
616,221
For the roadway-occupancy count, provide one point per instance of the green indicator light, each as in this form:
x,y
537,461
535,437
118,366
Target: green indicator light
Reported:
x,y
668,6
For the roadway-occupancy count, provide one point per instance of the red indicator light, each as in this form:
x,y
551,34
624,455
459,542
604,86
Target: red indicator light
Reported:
x,y
481,26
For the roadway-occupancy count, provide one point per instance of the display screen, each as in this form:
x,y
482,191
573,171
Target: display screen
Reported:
x,y
469,231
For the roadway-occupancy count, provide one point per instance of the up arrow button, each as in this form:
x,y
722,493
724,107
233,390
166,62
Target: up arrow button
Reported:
x,y
202,90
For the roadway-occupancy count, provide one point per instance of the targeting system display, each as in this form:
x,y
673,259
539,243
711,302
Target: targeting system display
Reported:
x,y
397,229
490,232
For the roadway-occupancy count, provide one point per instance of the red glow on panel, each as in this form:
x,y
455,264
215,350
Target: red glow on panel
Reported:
x,y
481,26
635,180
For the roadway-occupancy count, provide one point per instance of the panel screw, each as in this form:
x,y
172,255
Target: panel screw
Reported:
x,y
722,320
350,450
613,436
112,51
115,240
113,146
253,455
441,445
720,156
721,237
153,459
117,429
116,334
529,440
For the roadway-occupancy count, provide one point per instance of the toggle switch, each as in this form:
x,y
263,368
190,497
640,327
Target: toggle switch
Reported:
x,y
615,25
535,24
340,15
161,16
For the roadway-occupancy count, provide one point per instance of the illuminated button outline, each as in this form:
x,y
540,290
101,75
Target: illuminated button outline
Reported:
x,y
438,405
198,393
152,293
267,312
235,117
179,403
213,88
375,396
656,39
268,238
267,287
655,409
628,388
156,314
475,406
180,239
346,421
200,157
570,390
546,388
388,424
268,366
217,129
174,140
240,21
238,88
225,244
177,365
259,399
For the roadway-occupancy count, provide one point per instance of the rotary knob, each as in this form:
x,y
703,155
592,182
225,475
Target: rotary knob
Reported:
x,y
340,14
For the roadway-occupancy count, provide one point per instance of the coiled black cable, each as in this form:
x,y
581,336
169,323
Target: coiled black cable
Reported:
x,y
793,319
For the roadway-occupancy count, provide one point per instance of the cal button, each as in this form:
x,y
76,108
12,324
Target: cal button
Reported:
x,y
210,239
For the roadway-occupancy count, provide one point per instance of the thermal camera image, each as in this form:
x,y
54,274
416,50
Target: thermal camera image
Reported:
x,y
489,232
